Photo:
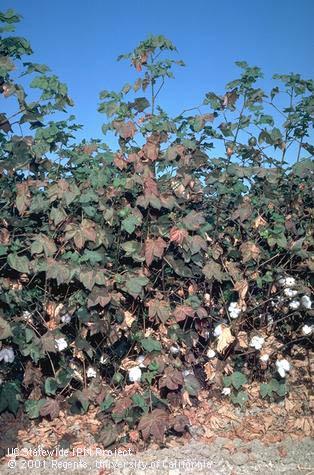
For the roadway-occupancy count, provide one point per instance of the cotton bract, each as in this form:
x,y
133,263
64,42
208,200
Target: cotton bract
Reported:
x,y
7,355
135,374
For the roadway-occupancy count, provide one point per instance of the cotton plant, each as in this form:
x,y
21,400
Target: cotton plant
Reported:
x,y
7,355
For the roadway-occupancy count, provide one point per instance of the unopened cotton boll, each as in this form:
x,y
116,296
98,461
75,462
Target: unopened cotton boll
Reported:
x,y
307,329
226,391
290,292
283,367
210,353
294,305
61,344
7,355
257,342
135,374
306,302
218,330
91,372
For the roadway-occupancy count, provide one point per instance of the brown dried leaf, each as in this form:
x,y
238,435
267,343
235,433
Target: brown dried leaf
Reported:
x,y
224,339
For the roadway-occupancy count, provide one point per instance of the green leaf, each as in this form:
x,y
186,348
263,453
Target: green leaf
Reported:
x,y
9,397
130,223
107,403
240,398
33,407
51,386
5,329
134,285
236,380
150,345
19,263
139,401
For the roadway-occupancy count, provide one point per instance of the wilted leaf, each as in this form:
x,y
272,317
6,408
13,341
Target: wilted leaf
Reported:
x,y
154,424
224,340
249,251
212,270
171,379
182,311
154,248
51,408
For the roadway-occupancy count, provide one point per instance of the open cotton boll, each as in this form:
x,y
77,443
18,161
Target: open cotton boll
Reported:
x,y
61,344
290,292
7,355
257,342
226,391
174,350
210,353
140,361
27,316
135,374
307,329
264,358
294,305
234,310
306,302
218,330
91,372
283,367
66,318
287,281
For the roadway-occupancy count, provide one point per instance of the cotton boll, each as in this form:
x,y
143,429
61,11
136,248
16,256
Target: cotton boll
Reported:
x,y
91,372
140,361
234,310
257,342
306,302
66,318
218,330
290,282
135,374
27,316
226,391
61,344
307,329
290,293
210,353
264,358
174,350
286,281
187,372
294,305
283,367
7,355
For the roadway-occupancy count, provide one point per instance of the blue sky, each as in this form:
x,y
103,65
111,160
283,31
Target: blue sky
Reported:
x,y
80,41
